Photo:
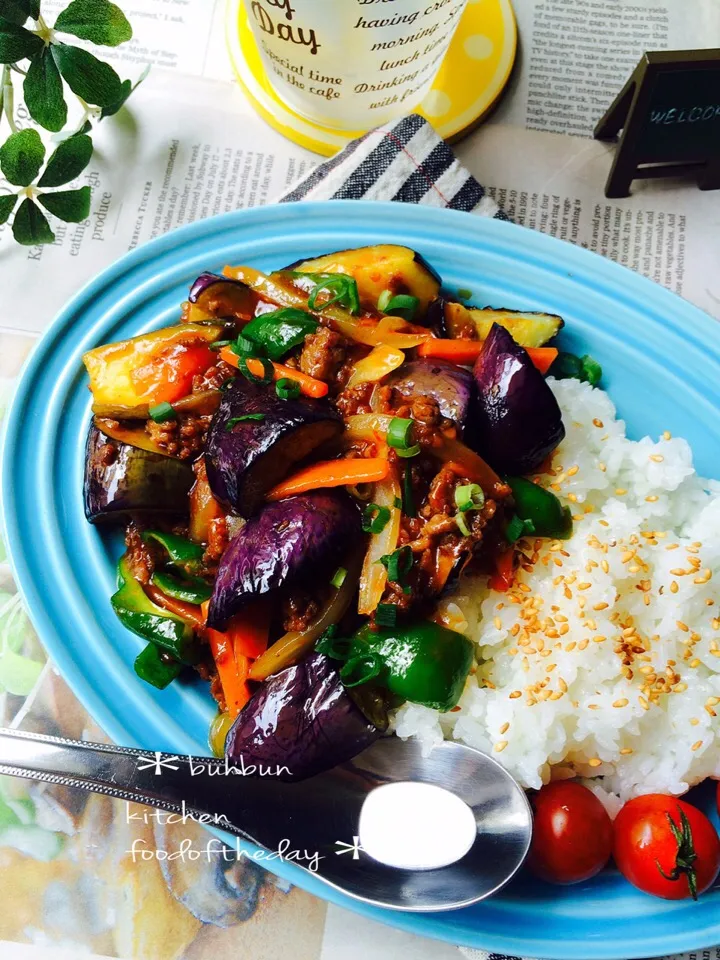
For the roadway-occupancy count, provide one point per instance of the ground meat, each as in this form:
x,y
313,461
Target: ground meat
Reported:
x,y
218,539
323,354
355,400
299,609
213,377
140,557
107,454
183,438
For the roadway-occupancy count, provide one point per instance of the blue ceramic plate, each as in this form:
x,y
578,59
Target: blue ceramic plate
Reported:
x,y
660,357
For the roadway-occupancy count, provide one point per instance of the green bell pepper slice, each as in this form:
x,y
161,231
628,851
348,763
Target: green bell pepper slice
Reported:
x,y
423,662
138,613
278,332
190,590
541,508
153,669
183,553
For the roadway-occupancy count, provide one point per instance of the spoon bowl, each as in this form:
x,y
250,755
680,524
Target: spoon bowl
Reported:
x,y
319,822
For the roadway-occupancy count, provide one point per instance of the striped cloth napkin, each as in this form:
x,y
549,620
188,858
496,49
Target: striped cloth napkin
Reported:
x,y
406,161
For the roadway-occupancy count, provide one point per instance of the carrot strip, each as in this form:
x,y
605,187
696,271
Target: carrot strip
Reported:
x,y
332,473
502,578
308,385
467,352
233,650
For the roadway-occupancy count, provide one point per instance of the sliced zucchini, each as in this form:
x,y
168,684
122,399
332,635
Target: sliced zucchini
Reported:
x,y
378,268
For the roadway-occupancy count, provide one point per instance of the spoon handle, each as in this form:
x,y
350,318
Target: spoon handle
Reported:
x,y
162,780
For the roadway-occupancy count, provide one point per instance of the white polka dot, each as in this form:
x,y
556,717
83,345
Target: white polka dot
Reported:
x,y
478,47
436,103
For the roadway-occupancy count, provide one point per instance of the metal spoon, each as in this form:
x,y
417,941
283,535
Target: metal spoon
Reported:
x,y
319,816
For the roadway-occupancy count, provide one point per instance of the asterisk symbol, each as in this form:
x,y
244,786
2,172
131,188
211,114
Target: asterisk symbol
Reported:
x,y
353,848
158,763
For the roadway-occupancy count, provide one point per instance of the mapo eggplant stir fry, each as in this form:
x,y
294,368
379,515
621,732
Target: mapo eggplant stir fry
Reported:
x,y
302,465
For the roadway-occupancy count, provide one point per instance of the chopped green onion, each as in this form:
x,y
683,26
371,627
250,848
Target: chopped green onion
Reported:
x,y
244,347
462,524
515,529
338,578
361,669
464,294
219,344
375,518
343,287
408,495
383,300
469,496
337,648
402,305
591,369
398,437
397,503
268,370
287,389
398,563
246,416
162,412
386,614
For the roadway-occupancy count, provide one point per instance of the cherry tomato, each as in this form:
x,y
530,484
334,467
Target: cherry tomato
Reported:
x,y
666,847
169,374
572,833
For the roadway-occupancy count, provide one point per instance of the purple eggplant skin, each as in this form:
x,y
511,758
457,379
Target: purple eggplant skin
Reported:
x,y
299,539
435,318
220,296
300,722
452,386
244,460
123,481
517,420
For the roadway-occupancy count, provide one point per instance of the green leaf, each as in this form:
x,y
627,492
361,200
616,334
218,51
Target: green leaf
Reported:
x,y
7,205
30,226
68,161
18,11
96,20
17,43
21,157
72,206
96,82
18,674
128,88
43,91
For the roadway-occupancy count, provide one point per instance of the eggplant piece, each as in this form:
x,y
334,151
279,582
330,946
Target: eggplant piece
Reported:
x,y
245,458
451,385
384,266
121,480
518,421
291,541
461,322
302,719
214,296
203,403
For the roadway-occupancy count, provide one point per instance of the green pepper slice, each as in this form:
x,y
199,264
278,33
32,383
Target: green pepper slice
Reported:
x,y
423,662
278,332
153,669
183,553
138,613
541,508
190,589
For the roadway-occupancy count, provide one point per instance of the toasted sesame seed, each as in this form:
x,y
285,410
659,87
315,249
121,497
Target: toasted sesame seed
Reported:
x,y
513,651
652,498
603,523
716,623
696,745
643,703
682,626
601,467
569,647
712,701
550,667
515,694
515,629
556,487
604,566
678,572
498,623
525,588
667,435
622,702
595,762
620,492
704,576
657,457
674,587
694,663
599,638
584,643
593,706
504,728
680,688
500,746
573,470
626,751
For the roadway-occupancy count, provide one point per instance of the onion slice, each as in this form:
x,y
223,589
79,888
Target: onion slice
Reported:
x,y
374,575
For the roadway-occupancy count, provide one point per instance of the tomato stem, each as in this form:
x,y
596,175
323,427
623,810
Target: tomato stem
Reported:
x,y
685,855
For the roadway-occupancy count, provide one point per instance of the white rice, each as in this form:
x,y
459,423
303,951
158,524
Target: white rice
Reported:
x,y
558,695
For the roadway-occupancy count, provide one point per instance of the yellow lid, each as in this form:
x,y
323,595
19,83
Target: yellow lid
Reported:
x,y
474,73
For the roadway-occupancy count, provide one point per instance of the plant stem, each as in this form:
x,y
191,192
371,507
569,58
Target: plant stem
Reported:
x,y
8,98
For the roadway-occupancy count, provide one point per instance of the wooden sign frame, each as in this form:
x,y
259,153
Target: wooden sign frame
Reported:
x,y
629,112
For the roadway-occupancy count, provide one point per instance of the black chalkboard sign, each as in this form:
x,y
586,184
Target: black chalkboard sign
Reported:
x,y
669,111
